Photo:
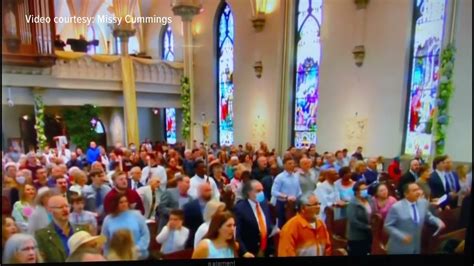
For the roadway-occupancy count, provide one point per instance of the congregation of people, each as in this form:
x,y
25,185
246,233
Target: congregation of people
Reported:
x,y
158,201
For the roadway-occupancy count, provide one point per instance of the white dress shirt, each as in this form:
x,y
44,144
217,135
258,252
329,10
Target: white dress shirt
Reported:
x,y
158,171
196,181
411,211
179,239
253,205
327,195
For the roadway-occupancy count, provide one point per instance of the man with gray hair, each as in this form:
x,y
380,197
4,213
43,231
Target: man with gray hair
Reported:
x,y
306,176
371,174
150,195
253,222
410,176
305,234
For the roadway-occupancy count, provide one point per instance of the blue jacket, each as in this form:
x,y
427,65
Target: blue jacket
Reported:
x,y
92,155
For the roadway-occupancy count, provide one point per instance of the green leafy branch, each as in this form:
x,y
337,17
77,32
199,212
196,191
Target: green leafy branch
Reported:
x,y
78,125
39,122
186,105
445,92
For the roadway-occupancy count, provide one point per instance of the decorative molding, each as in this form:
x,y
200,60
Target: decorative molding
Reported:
x,y
186,10
258,67
258,23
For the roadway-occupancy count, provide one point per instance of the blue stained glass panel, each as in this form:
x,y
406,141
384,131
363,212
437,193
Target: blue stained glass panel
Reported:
x,y
226,70
308,61
168,44
428,38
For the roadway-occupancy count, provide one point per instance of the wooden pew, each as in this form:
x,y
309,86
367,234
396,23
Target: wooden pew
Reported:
x,y
336,229
379,236
154,247
450,219
180,255
437,242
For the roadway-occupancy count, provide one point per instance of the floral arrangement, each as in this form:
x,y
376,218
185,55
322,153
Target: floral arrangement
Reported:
x,y
39,122
446,89
186,105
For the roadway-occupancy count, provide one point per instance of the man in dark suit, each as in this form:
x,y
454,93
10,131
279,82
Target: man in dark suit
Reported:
x,y
253,222
261,169
410,176
193,211
453,183
52,240
173,198
62,188
371,174
134,182
442,183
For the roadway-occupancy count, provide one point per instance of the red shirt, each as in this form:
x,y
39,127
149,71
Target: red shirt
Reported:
x,y
133,199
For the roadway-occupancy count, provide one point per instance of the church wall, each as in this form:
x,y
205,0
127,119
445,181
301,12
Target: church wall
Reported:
x,y
377,91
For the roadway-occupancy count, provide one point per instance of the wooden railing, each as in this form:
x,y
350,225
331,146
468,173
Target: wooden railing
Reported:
x,y
25,42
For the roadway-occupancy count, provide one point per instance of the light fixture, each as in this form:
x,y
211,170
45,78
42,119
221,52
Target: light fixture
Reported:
x,y
258,67
25,117
259,9
359,55
156,111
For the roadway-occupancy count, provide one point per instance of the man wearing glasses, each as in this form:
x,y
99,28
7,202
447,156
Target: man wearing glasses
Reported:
x,y
305,234
52,240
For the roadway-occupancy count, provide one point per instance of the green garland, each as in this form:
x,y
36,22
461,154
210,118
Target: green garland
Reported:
x,y
186,105
39,122
446,89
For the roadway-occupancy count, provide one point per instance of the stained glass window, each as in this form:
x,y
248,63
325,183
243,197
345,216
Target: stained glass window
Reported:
x,y
429,19
168,44
170,117
225,34
308,60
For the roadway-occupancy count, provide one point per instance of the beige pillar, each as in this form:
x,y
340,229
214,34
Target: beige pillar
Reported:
x,y
187,9
129,88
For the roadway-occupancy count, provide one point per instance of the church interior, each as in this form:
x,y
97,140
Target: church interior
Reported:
x,y
392,78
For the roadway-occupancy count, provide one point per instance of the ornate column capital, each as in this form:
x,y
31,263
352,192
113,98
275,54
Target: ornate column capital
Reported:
x,y
361,4
123,33
186,9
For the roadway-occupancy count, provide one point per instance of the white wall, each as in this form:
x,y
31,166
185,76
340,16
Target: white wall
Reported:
x,y
459,135
377,91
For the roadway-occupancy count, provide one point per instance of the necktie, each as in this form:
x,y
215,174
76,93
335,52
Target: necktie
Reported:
x,y
153,201
136,185
415,216
169,243
98,198
262,227
447,177
452,182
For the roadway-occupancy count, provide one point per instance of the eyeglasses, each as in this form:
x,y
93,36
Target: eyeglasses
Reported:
x,y
313,205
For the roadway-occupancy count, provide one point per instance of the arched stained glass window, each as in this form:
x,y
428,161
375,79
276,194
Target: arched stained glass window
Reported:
x,y
170,117
428,30
308,60
168,44
225,57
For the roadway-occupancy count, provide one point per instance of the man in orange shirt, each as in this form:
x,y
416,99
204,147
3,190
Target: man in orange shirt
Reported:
x,y
305,234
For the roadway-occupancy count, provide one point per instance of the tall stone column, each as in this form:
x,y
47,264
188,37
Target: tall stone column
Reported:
x,y
129,88
187,9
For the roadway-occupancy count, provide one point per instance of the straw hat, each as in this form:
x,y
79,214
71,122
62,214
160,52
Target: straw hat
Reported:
x,y
82,237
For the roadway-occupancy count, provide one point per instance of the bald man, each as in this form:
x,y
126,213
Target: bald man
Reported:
x,y
410,176
193,211
371,174
306,176
52,240
136,175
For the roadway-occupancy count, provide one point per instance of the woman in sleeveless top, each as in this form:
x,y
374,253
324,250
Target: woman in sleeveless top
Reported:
x,y
219,242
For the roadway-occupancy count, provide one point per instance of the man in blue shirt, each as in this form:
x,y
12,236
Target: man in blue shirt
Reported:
x,y
93,153
286,189
330,163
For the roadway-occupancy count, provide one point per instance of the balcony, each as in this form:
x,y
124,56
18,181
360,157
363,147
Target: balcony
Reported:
x,y
27,44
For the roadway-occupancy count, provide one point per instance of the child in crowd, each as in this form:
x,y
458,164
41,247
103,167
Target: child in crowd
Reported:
x,y
174,235
79,216
122,247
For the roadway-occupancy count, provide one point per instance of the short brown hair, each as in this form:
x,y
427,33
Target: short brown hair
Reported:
x,y
95,172
178,213
117,174
77,199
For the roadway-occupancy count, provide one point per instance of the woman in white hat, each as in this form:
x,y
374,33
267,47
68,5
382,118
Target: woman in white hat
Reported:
x,y
83,240
40,217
